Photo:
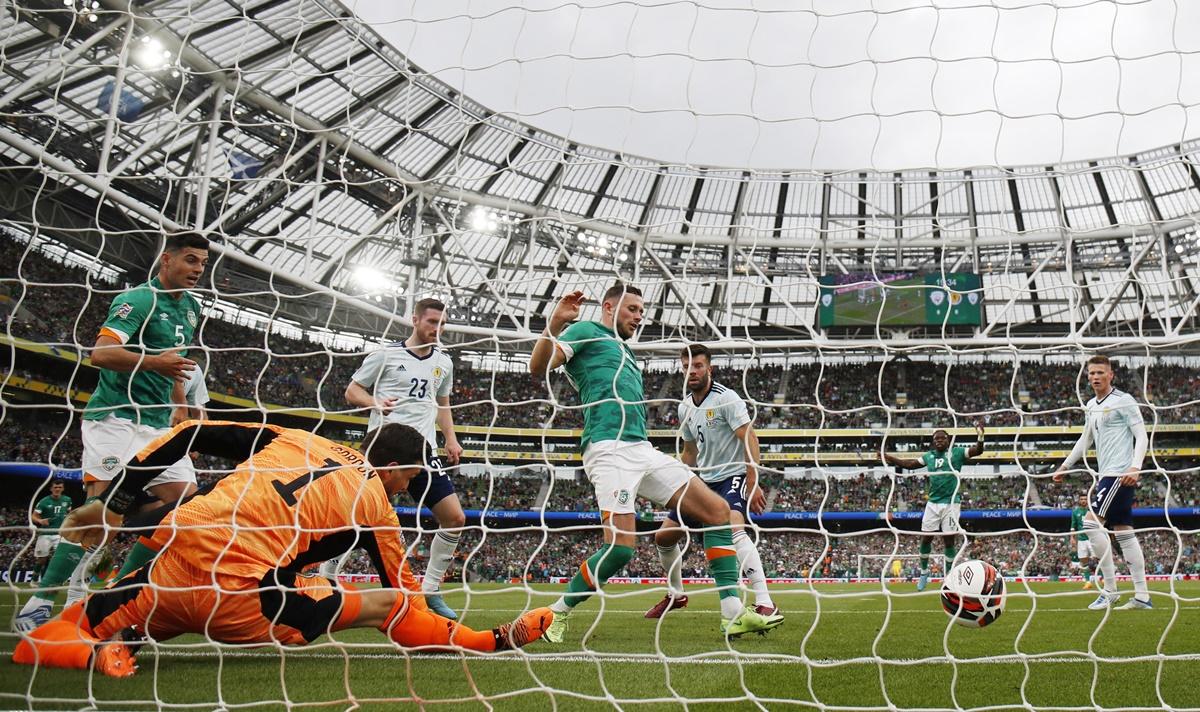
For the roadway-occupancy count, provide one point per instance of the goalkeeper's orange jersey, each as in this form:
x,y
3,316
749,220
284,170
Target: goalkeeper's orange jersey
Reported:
x,y
298,499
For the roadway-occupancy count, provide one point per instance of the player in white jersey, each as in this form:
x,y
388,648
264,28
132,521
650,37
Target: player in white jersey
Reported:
x,y
720,443
195,397
1114,424
410,383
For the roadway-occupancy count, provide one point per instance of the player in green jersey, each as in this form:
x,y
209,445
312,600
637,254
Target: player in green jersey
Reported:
x,y
618,459
141,354
48,515
1083,545
942,508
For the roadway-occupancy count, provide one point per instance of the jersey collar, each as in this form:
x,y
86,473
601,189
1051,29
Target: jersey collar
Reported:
x,y
157,284
711,383
432,351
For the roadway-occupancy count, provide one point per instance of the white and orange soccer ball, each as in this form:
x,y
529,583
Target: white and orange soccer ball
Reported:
x,y
973,594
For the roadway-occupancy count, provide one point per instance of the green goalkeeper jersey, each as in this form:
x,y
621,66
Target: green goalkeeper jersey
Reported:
x,y
609,380
943,468
148,320
1077,515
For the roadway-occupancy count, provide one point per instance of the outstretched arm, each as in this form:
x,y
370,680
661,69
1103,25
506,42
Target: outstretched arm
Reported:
x,y
904,463
977,449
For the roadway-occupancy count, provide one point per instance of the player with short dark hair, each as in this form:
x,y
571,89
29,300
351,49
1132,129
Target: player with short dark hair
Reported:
x,y
141,353
48,515
943,507
618,459
229,559
410,382
720,444
1114,423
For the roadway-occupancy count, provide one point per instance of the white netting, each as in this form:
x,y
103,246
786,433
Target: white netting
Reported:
x,y
990,194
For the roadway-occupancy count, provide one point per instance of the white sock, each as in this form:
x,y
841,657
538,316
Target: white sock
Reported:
x,y
35,601
441,553
1103,551
731,607
77,587
752,568
560,606
672,562
1131,549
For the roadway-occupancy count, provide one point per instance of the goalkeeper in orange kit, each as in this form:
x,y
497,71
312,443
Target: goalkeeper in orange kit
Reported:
x,y
229,559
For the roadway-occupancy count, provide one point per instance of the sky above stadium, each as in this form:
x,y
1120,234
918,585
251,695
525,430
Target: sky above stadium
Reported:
x,y
834,84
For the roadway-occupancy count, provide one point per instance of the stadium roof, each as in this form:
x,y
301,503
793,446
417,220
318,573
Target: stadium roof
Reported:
x,y
329,164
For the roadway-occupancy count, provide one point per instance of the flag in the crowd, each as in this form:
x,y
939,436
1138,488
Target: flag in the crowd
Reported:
x,y
129,107
243,166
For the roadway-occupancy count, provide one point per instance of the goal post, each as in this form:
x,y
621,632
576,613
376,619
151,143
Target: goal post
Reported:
x,y
883,219
882,566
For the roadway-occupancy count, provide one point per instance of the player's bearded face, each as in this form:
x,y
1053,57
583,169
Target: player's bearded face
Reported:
x,y
429,326
628,315
698,374
183,269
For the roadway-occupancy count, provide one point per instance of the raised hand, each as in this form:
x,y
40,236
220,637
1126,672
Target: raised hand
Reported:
x,y
566,311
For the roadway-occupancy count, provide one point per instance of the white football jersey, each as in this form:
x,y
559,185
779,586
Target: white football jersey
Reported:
x,y
712,425
416,382
195,390
1110,421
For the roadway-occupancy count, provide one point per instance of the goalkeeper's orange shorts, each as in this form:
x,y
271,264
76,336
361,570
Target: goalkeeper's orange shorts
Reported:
x,y
170,597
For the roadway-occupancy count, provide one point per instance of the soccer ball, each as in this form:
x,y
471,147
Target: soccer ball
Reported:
x,y
973,594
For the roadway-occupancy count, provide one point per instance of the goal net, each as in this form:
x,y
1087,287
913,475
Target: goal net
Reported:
x,y
891,224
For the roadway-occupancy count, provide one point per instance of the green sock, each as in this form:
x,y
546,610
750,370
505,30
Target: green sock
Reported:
x,y
138,557
722,560
951,552
66,557
599,567
924,549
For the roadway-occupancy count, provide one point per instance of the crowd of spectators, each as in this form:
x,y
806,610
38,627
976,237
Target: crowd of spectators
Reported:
x,y
39,435
536,556
64,305
512,493
45,435
571,496
867,493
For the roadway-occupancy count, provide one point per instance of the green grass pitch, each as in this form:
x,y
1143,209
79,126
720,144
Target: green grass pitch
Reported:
x,y
624,661
903,306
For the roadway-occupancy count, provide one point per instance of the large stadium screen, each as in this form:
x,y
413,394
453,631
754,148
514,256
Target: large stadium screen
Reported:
x,y
900,299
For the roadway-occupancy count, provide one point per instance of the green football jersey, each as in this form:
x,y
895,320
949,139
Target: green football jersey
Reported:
x,y
54,510
942,483
1077,515
603,370
151,321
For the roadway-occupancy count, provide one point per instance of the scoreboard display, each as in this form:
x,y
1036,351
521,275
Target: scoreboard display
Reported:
x,y
900,299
